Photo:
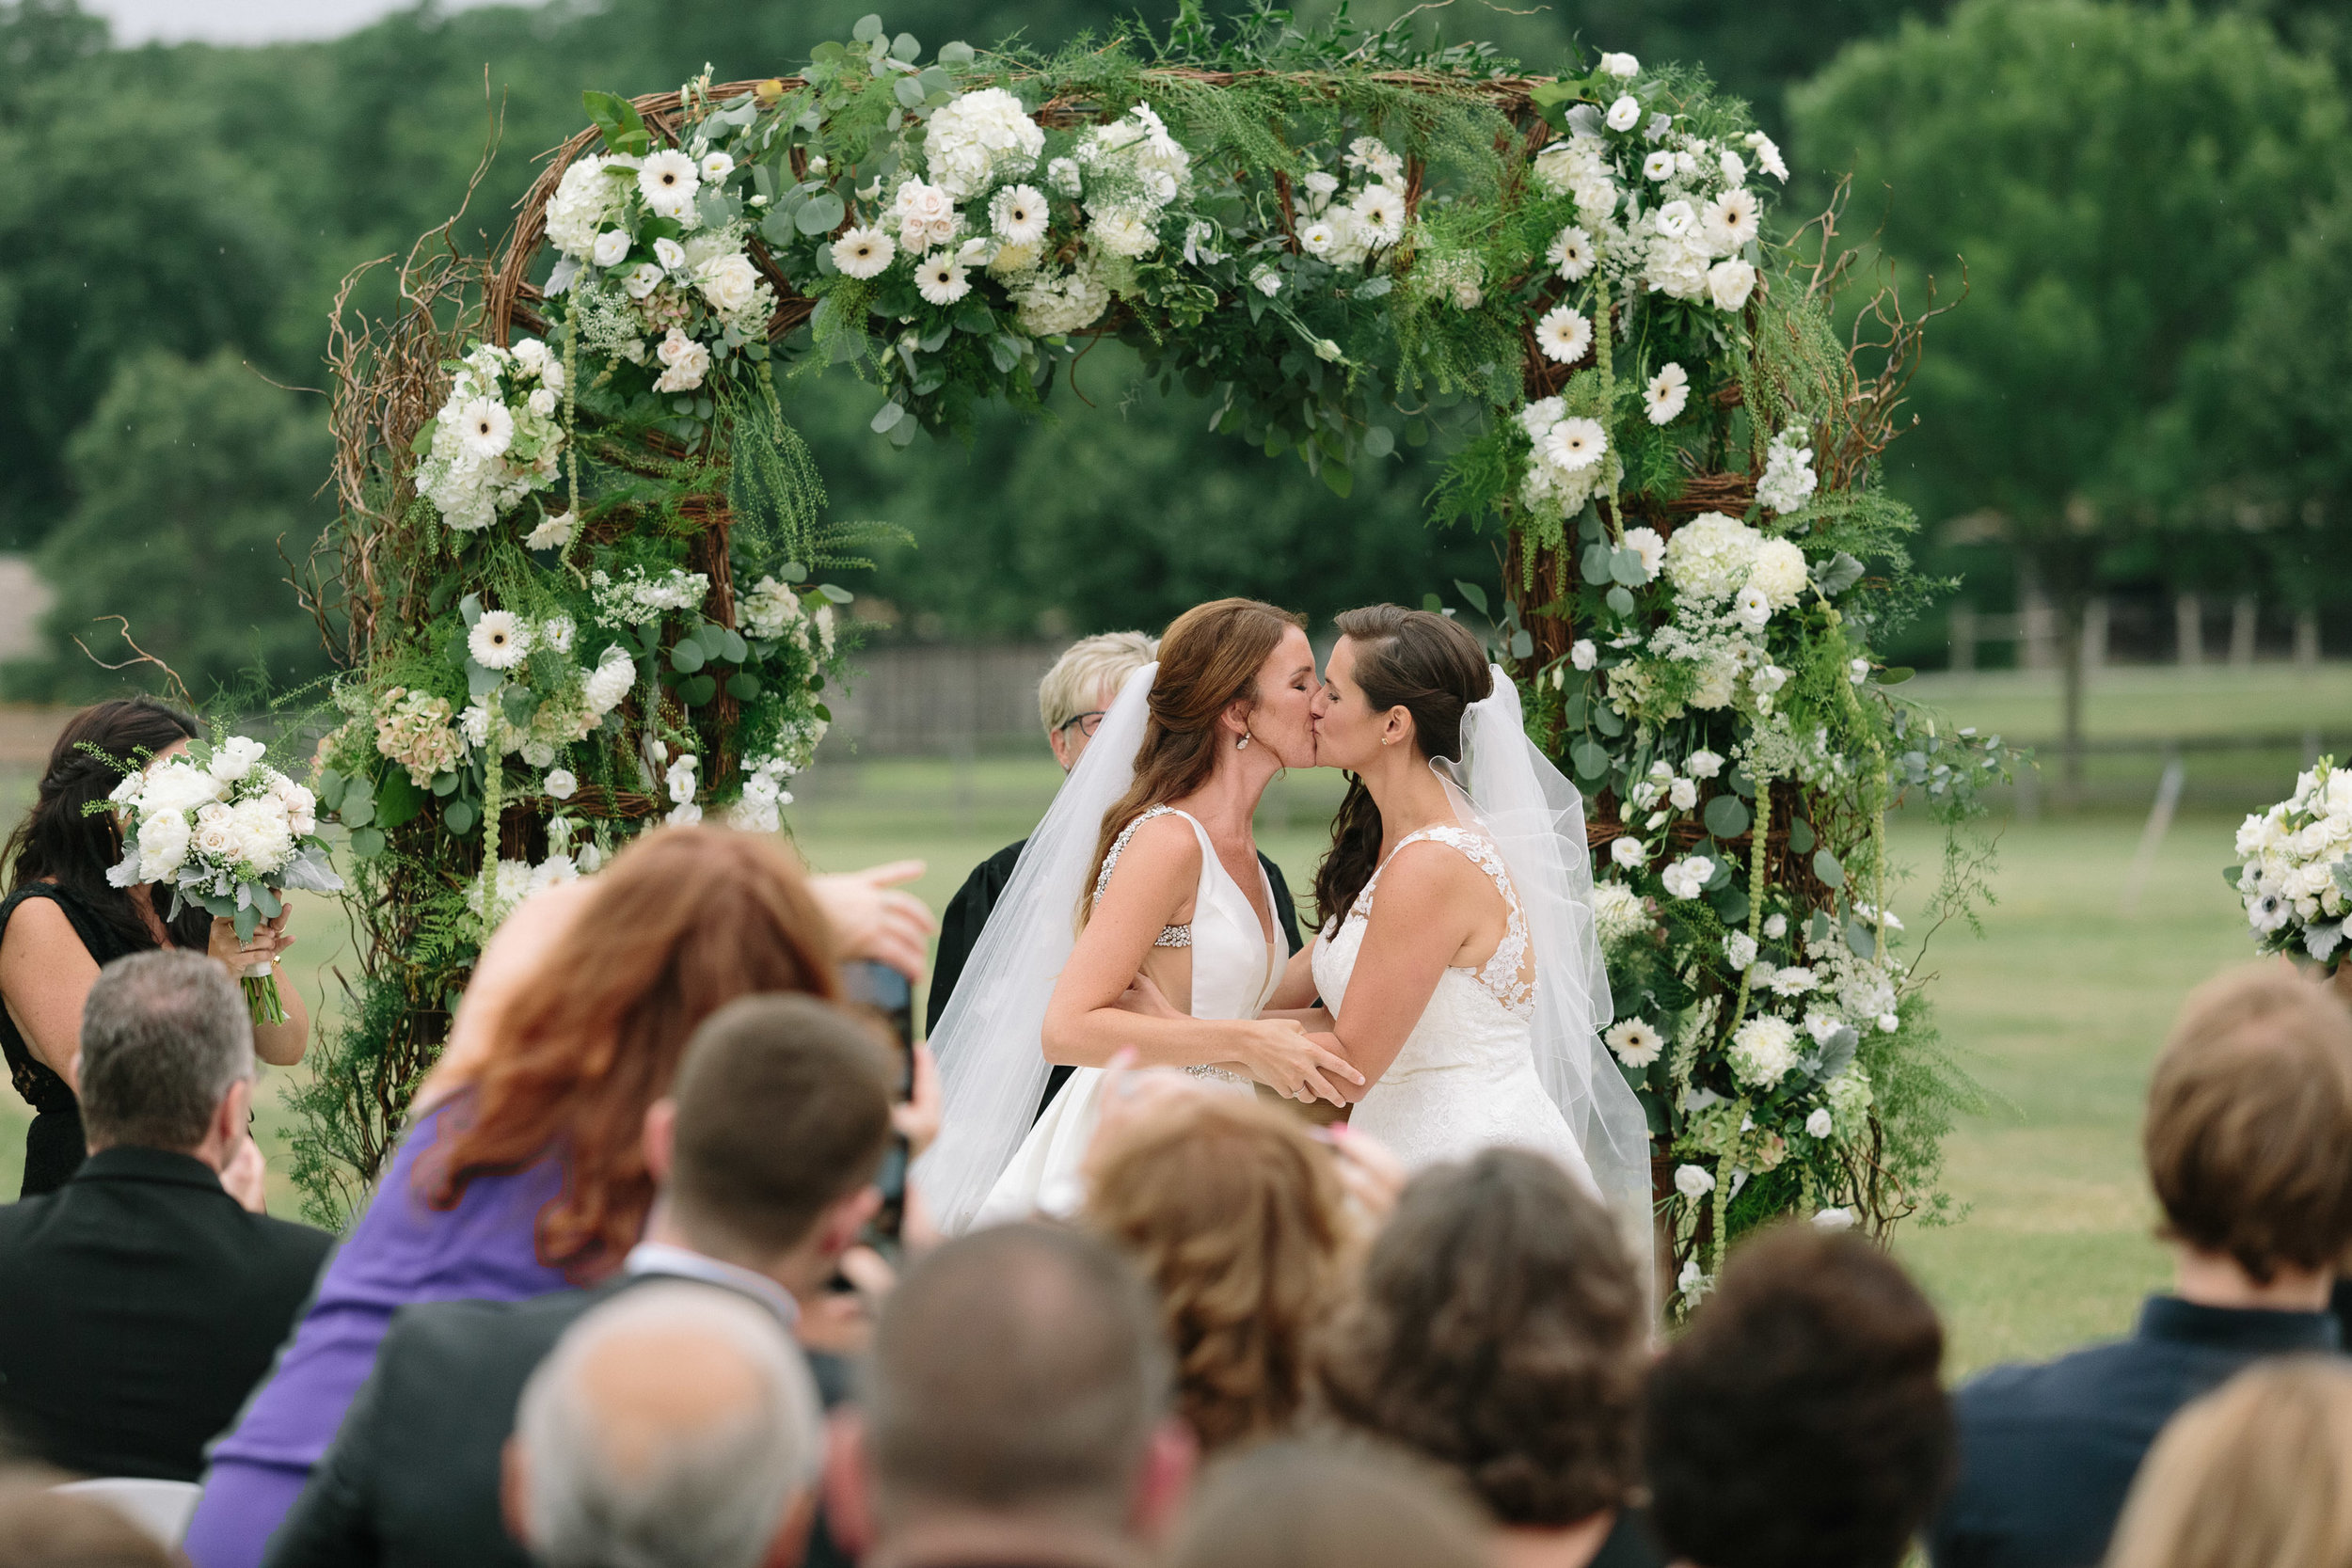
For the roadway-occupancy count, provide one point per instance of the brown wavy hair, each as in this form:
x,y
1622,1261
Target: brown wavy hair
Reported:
x,y
1498,1331
1430,666
684,921
1209,656
1235,1215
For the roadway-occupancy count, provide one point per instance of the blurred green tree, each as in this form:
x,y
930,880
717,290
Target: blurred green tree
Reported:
x,y
2112,176
191,476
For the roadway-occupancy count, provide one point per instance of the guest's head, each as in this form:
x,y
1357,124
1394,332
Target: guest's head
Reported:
x,y
1016,1399
684,921
1499,1331
2250,1475
674,1426
767,1144
40,1527
1798,1422
1293,1504
2248,1134
59,840
1236,1217
167,1056
1083,684
1394,691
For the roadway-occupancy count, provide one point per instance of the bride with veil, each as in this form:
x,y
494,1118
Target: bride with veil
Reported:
x,y
1143,870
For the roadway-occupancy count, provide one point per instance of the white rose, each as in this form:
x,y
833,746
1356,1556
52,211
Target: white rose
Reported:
x,y
1818,1124
612,247
1683,794
560,783
1627,852
1688,877
729,283
1729,283
1694,1181
1704,764
541,401
235,758
1582,654
1620,66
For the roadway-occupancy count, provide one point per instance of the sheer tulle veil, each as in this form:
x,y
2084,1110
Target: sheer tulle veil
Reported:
x,y
992,1067
1537,817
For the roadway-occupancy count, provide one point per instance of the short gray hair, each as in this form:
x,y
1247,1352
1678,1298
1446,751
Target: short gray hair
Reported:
x,y
164,1035
1085,668
671,1427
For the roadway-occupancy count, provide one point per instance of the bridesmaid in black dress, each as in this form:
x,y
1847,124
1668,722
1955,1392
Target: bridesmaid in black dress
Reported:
x,y
61,922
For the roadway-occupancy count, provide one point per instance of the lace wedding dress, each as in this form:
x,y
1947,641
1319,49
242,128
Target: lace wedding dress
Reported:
x,y
1234,969
1466,1078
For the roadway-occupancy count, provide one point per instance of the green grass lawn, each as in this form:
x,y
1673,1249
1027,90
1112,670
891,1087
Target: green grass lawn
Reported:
x,y
2057,1010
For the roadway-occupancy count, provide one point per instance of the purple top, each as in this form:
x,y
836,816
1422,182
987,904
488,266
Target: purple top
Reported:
x,y
401,1251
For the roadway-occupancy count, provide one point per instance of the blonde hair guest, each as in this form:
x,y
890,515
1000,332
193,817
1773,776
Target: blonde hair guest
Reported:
x,y
2252,1476
1078,689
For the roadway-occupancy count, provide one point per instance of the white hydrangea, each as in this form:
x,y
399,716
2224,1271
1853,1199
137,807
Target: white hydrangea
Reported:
x,y
1762,1052
1060,303
771,607
1711,557
1780,573
978,139
583,199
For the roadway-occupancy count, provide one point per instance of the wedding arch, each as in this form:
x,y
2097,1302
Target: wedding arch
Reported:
x,y
577,580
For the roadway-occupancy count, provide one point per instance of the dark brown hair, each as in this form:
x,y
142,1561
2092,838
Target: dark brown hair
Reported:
x,y
783,1110
57,841
1235,1214
1799,1423
1325,1504
1209,656
2249,1135
1499,1331
684,921
1434,669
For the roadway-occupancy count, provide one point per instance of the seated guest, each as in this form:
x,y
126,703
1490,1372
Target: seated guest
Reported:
x,y
2248,1146
140,1302
1233,1213
45,1528
765,1158
523,1168
1798,1422
1015,1413
2250,1475
675,1427
1071,700
1293,1504
1498,1331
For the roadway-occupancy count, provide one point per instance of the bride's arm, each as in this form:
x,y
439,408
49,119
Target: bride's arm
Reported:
x,y
1085,1024
1297,988
1431,902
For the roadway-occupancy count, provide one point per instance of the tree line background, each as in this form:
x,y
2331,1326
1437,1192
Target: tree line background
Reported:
x,y
2144,391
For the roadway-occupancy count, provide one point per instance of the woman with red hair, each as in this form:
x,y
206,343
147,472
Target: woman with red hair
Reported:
x,y
523,1169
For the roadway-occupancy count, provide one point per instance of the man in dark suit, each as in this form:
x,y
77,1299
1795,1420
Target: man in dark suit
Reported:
x,y
765,1156
140,1302
1071,700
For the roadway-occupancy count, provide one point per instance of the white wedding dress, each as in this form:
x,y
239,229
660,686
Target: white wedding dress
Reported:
x,y
1466,1078
1234,969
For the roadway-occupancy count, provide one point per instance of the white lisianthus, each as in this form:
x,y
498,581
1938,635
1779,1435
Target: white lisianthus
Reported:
x,y
681,779
1752,608
1623,67
642,279
1694,1181
1676,219
1645,543
669,255
1571,254
1767,679
1682,794
1582,654
1625,114
1574,444
1729,283
1319,238
235,758
941,279
1688,877
1704,764
1767,155
1320,187
1266,280
668,180
560,783
1659,167
501,639
1668,391
485,427
1762,1051
1629,854
715,166
1380,213
552,533
1739,951
612,247
1018,214
864,252
541,401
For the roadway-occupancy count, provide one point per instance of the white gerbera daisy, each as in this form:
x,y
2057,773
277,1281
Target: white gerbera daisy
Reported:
x,y
1731,219
1635,1042
500,640
1571,253
1563,334
1668,391
668,182
940,279
1380,214
863,252
1018,214
485,427
1574,444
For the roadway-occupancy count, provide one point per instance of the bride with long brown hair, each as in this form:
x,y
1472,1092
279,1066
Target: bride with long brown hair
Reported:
x,y
1144,869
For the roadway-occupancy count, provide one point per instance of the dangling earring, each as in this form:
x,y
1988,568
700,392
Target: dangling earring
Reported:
x,y
1243,744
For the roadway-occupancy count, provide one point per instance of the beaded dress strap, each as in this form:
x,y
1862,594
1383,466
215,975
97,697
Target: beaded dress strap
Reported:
x,y
1171,936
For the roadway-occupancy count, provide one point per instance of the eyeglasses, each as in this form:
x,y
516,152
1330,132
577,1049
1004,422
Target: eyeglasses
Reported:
x,y
1088,723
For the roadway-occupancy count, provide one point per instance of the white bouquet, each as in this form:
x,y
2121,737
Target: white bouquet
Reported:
x,y
2297,872
222,830
496,437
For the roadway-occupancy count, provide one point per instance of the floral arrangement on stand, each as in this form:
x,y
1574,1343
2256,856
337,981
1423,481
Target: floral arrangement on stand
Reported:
x,y
221,828
2295,869
1349,242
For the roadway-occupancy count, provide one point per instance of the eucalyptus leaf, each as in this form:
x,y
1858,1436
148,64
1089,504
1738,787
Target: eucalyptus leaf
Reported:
x,y
958,53
697,689
1607,720
1726,817
1523,644
1472,594
744,687
1378,442
688,656
1597,564
1862,939
357,812
869,28
886,416
459,816
1620,602
366,844
1730,903
1626,565
444,784
819,214
330,788
1826,866
471,607
1591,761
1800,839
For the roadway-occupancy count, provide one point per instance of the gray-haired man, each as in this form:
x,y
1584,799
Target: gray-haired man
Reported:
x,y
142,1302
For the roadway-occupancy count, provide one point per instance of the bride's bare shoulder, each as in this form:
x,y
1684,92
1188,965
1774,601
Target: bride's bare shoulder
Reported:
x,y
1158,849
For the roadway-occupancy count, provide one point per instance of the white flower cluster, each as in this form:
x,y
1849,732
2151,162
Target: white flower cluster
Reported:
x,y
979,139
1619,915
1789,477
1346,227
495,438
616,674
1129,172
2296,876
681,782
219,829
515,880
760,808
638,599
1763,1049
773,610
1569,457
413,729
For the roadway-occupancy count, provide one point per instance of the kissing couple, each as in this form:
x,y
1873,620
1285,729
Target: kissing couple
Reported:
x,y
1454,997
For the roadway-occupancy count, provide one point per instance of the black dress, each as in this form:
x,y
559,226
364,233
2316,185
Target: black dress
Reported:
x,y
53,1146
